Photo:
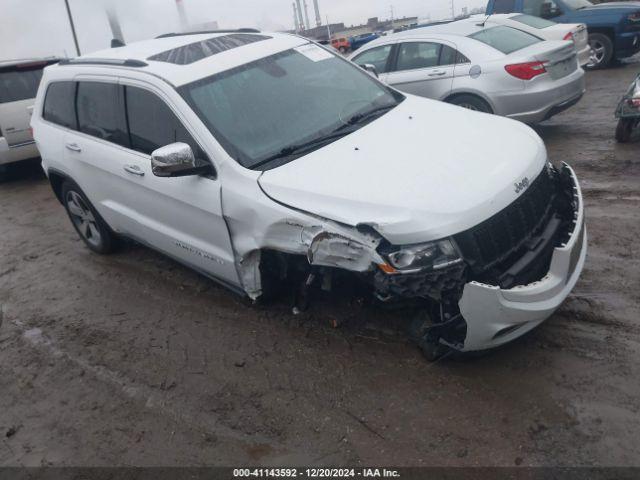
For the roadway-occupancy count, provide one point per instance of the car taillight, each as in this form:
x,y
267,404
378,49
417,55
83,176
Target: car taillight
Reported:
x,y
569,37
526,71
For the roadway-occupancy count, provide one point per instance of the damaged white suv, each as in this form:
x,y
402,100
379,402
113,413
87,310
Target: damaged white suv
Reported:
x,y
252,156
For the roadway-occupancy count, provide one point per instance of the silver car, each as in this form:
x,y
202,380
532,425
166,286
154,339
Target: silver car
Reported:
x,y
480,65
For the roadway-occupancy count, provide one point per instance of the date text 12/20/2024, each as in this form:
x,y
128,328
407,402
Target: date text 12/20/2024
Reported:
x,y
315,473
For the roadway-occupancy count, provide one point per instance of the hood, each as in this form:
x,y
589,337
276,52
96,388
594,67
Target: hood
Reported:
x,y
612,9
423,171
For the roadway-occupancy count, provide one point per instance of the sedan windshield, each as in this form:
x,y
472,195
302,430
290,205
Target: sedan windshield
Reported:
x,y
271,111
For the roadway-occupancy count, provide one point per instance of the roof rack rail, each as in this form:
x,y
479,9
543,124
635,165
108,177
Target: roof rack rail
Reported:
x,y
204,32
128,62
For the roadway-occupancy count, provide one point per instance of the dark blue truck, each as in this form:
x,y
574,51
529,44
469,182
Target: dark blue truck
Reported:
x,y
614,28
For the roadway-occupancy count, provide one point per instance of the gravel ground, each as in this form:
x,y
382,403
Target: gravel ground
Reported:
x,y
132,359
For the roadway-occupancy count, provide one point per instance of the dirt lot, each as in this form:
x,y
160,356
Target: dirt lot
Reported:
x,y
134,360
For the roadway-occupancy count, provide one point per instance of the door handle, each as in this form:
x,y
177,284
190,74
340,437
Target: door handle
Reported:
x,y
134,170
73,147
439,73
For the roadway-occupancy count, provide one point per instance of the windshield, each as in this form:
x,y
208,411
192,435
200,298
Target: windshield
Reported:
x,y
535,22
265,111
578,4
505,39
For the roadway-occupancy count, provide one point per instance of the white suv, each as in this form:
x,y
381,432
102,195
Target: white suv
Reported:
x,y
259,157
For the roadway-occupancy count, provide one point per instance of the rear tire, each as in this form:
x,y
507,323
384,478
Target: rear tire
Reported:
x,y
624,130
93,230
471,102
602,51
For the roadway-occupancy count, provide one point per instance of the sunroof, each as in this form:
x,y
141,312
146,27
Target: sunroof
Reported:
x,y
197,51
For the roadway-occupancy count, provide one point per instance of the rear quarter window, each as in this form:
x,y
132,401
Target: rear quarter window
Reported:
x,y
59,104
19,84
505,39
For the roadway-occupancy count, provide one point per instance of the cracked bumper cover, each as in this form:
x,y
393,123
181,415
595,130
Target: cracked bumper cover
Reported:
x,y
495,316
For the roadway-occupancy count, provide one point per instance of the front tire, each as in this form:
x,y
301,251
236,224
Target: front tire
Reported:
x,y
93,230
601,51
343,50
471,102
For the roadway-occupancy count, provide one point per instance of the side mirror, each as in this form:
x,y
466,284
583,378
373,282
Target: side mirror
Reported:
x,y
175,160
371,69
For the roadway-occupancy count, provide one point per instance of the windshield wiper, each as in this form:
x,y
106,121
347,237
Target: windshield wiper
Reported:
x,y
361,117
302,147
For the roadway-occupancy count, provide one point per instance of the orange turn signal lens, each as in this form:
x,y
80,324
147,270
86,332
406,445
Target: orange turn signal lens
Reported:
x,y
386,268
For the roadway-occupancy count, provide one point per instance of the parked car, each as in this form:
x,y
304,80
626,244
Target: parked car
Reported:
x,y
628,112
358,41
341,44
548,30
482,66
174,143
614,27
19,80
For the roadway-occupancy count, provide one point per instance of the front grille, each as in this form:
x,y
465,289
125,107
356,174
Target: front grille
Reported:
x,y
504,235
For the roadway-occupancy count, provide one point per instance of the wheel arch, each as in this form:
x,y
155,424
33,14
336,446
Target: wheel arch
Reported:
x,y
473,93
56,180
608,31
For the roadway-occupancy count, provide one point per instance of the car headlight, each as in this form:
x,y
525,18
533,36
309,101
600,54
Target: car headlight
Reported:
x,y
431,255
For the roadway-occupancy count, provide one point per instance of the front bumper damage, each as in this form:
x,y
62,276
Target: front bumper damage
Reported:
x,y
479,315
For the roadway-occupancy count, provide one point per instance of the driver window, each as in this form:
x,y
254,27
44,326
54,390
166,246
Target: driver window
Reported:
x,y
377,57
541,8
152,124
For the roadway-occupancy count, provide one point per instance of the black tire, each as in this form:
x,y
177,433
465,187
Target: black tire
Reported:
x,y
343,50
93,230
602,51
471,102
624,130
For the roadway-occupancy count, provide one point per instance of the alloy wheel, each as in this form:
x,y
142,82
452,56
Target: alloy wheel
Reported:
x,y
83,219
598,52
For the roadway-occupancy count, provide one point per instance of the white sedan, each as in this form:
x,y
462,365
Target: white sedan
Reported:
x,y
548,30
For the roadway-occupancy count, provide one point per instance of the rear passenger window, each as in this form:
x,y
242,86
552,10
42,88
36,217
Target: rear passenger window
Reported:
x,y
414,55
152,124
59,104
101,112
460,58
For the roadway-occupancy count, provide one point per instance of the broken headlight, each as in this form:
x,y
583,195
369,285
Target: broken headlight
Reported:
x,y
431,255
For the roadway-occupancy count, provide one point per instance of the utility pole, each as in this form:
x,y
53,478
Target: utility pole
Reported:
x,y
453,10
306,14
73,28
391,8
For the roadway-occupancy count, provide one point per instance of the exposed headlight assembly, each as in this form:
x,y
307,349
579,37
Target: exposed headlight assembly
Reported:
x,y
430,255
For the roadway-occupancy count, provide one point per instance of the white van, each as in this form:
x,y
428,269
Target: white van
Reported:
x,y
255,157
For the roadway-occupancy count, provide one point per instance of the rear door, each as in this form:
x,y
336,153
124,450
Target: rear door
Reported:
x,y
18,88
424,68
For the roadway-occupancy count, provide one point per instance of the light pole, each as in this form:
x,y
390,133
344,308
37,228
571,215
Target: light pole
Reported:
x,y
73,28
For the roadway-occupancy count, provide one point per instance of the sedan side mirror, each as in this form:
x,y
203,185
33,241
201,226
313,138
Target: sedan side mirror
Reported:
x,y
176,160
371,69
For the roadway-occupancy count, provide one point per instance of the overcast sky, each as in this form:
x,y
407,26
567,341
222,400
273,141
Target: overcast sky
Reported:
x,y
40,27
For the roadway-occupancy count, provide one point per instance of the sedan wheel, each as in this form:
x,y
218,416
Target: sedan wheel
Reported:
x,y
601,51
